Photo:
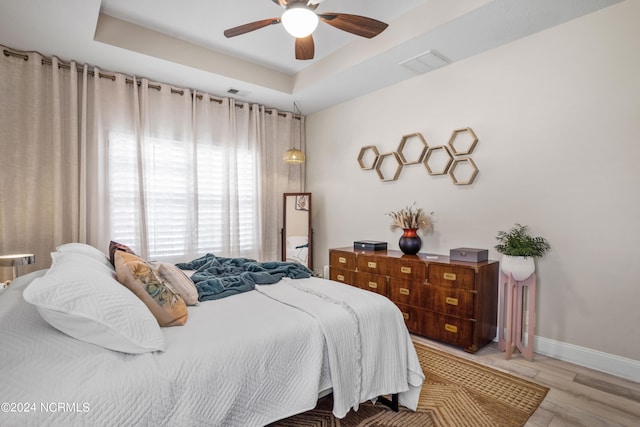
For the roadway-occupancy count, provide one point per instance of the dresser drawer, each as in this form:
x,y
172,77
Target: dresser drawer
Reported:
x,y
412,318
449,329
405,291
342,259
343,275
372,282
408,269
373,264
454,302
451,276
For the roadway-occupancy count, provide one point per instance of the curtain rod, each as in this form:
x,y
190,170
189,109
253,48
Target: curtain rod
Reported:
x,y
67,66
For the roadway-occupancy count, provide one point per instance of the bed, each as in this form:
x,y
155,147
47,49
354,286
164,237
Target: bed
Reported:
x,y
245,360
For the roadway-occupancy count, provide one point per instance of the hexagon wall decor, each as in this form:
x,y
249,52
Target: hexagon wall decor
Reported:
x,y
393,156
414,144
471,171
364,158
414,149
437,156
465,138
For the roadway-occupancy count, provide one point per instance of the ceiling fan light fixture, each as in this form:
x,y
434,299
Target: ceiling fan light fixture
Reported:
x,y
299,21
294,156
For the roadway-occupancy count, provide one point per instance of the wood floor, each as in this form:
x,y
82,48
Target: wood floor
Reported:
x,y
577,396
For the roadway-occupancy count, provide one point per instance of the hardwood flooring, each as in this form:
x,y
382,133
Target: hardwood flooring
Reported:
x,y
577,396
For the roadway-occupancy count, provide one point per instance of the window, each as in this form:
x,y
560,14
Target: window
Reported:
x,y
194,199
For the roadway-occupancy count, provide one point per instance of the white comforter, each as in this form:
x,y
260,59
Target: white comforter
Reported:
x,y
246,360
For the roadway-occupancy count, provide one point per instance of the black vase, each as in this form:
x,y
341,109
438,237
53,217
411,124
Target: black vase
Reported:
x,y
410,243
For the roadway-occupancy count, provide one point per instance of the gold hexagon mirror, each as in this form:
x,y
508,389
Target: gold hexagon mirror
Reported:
x,y
412,148
437,160
465,139
389,166
463,171
368,157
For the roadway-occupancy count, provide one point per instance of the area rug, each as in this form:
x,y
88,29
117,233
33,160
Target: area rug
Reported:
x,y
457,392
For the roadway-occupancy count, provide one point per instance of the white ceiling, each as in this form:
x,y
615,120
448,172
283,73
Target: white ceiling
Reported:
x,y
182,42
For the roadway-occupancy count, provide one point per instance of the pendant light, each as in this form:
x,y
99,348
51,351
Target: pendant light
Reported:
x,y
293,156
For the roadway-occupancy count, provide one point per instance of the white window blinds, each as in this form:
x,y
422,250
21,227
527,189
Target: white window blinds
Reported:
x,y
182,200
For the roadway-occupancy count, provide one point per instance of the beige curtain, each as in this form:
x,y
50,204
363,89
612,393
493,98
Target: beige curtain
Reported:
x,y
40,159
57,127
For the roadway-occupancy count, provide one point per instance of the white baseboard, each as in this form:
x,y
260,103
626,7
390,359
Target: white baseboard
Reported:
x,y
593,359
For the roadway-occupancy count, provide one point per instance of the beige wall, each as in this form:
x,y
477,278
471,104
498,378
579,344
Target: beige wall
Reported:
x,y
558,119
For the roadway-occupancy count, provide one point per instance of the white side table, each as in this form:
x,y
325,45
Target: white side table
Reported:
x,y
15,261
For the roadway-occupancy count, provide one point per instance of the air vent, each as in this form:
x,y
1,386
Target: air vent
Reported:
x,y
237,92
425,62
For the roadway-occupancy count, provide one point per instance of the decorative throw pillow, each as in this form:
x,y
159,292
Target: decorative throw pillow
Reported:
x,y
179,281
81,298
115,246
162,300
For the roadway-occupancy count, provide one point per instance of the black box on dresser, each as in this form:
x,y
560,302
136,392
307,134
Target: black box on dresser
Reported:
x,y
370,245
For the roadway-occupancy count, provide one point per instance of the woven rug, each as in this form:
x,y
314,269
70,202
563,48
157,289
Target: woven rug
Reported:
x,y
457,393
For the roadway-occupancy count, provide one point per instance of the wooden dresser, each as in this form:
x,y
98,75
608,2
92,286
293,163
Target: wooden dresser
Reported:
x,y
450,301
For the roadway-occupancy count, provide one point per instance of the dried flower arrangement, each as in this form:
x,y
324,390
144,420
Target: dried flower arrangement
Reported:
x,y
412,217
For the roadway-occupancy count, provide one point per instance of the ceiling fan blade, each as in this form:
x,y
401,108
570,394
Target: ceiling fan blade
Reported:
x,y
282,3
355,24
305,48
252,26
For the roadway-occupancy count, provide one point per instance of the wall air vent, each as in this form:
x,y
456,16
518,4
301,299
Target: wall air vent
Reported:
x,y
425,62
237,92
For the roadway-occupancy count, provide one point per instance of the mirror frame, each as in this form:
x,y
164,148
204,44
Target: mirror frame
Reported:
x,y
284,229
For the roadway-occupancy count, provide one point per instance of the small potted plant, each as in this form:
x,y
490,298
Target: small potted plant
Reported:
x,y
411,219
519,249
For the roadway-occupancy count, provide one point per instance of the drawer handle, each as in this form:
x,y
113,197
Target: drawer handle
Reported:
x,y
406,270
372,264
404,291
405,315
342,260
451,301
449,276
451,328
373,285
340,277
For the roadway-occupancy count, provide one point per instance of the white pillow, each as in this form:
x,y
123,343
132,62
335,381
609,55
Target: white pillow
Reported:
x,y
74,259
87,303
88,250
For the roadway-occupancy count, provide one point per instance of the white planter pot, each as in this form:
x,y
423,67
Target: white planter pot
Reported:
x,y
520,267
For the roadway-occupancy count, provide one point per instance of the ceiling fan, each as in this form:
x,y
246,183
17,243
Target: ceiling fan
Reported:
x,y
300,20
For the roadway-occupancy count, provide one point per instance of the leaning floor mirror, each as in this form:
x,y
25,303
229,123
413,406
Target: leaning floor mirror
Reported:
x,y
297,234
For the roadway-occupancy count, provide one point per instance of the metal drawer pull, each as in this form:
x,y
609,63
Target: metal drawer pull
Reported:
x,y
405,315
451,328
373,285
451,301
404,291
340,277
406,270
371,264
449,276
342,260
